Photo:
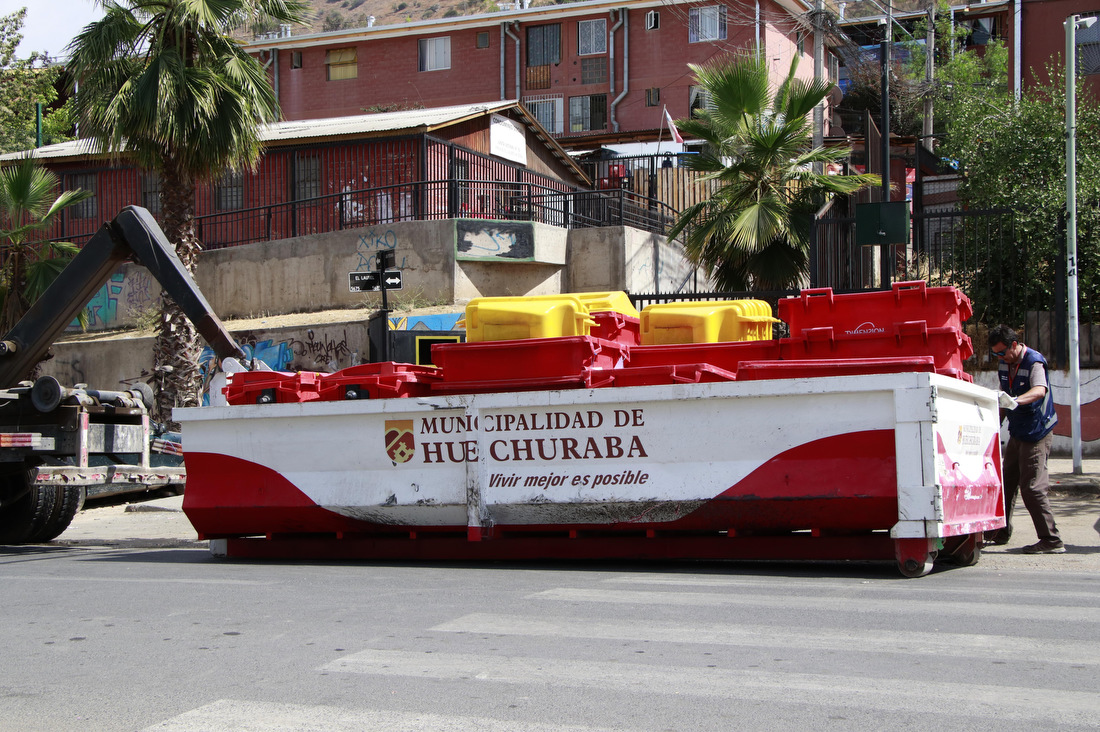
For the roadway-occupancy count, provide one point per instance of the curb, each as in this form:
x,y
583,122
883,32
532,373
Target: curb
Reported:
x,y
1075,484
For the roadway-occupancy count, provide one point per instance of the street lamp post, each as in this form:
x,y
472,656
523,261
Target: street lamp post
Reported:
x,y
1073,22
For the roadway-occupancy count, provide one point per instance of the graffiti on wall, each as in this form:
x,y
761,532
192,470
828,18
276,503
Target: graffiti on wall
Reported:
x,y
495,239
370,244
103,307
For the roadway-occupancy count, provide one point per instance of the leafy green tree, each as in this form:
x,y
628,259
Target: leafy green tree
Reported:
x,y
164,82
753,232
1013,156
23,84
28,262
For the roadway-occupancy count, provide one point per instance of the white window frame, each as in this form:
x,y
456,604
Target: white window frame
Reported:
x,y
591,37
707,24
548,110
434,53
652,20
698,96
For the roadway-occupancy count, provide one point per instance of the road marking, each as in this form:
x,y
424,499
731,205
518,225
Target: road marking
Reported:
x,y
250,716
1051,707
898,606
898,589
132,580
953,645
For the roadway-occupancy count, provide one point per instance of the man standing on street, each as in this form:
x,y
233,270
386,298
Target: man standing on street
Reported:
x,y
1023,376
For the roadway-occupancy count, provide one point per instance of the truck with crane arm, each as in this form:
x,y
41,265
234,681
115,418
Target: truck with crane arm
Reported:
x,y
60,444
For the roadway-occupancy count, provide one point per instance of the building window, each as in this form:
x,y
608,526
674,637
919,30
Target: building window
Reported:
x,y
483,40
834,68
295,59
307,182
435,53
342,64
547,110
85,209
544,45
229,192
150,192
1088,46
707,24
652,20
699,98
652,96
588,113
594,70
591,37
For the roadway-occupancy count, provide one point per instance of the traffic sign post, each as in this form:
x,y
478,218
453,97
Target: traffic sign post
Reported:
x,y
383,279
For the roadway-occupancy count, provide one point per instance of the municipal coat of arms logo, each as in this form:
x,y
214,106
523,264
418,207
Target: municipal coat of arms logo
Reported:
x,y
400,444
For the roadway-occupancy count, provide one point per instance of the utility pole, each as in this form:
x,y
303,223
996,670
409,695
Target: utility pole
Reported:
x,y
887,37
1071,233
819,66
929,72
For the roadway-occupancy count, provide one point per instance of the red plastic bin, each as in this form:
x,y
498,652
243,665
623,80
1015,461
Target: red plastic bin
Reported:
x,y
726,355
856,313
385,380
267,387
615,326
585,379
817,367
527,359
949,347
681,373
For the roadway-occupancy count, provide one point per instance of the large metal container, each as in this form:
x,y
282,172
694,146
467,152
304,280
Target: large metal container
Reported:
x,y
900,466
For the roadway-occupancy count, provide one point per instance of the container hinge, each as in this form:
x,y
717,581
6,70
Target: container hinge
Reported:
x,y
933,408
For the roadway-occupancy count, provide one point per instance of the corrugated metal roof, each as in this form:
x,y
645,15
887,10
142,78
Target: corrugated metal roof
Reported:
x,y
410,121
363,124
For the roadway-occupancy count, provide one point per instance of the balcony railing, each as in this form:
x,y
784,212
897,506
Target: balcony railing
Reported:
x,y
434,200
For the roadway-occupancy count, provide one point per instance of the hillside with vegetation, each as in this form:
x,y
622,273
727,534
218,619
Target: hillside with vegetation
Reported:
x,y
334,15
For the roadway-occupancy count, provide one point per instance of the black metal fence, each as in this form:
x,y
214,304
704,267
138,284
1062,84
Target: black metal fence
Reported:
x,y
433,200
1010,275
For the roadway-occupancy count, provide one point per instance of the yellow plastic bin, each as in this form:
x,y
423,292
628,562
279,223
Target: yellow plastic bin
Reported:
x,y
607,302
517,318
706,322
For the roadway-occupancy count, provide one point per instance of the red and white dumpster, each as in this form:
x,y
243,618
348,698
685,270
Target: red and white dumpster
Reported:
x,y
902,466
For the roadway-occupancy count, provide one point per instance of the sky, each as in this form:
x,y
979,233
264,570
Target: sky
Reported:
x,y
50,24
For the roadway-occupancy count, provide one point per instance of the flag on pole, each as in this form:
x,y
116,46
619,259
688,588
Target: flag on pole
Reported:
x,y
672,128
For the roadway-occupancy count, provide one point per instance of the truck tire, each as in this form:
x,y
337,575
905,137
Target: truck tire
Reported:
x,y
69,500
28,511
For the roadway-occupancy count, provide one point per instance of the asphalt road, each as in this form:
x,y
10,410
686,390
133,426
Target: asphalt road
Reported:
x,y
129,624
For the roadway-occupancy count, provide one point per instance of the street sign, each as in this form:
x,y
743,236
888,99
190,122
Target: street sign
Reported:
x,y
369,281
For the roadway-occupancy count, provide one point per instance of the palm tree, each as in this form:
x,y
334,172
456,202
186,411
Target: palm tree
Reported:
x,y
28,263
753,232
163,82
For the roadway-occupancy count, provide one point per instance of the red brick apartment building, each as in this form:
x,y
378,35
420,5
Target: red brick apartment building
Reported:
x,y
591,72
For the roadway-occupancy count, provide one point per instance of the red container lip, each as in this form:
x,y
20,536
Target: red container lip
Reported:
x,y
680,373
587,379
816,367
533,358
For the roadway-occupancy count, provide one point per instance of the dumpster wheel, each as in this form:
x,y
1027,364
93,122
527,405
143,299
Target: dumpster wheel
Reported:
x,y
964,551
915,556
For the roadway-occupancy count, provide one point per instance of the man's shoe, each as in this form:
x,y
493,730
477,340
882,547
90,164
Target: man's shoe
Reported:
x,y
1046,546
997,537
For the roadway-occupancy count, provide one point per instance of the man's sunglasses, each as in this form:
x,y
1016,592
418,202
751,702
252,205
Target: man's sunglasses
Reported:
x,y
999,354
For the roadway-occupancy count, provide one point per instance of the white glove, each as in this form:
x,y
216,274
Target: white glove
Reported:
x,y
1006,401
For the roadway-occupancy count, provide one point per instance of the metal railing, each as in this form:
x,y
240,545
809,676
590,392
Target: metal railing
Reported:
x,y
434,200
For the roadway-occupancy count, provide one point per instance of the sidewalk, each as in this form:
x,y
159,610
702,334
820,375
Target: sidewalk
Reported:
x,y
1063,479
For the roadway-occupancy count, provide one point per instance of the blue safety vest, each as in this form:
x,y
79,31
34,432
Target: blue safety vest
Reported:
x,y
1028,422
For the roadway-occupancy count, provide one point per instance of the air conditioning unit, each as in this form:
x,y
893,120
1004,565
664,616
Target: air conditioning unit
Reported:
x,y
652,20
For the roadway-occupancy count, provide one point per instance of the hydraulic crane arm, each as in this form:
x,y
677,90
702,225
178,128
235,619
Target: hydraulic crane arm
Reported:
x,y
132,234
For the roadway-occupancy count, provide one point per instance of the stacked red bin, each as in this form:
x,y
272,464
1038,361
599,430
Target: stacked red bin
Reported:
x,y
909,320
272,387
527,365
